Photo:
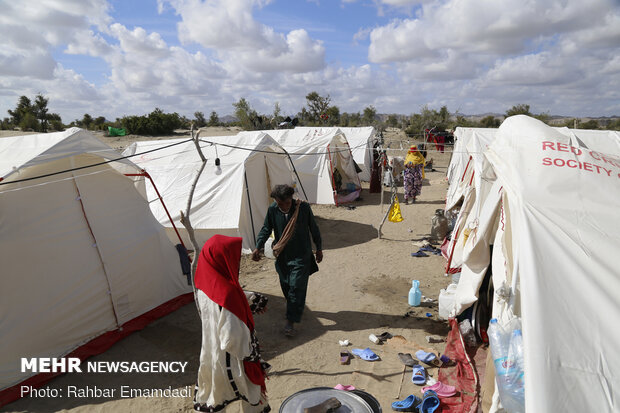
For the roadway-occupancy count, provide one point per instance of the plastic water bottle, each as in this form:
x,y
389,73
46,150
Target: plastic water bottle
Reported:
x,y
508,370
515,355
415,295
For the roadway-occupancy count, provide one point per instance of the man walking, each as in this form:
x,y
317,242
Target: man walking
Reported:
x,y
292,223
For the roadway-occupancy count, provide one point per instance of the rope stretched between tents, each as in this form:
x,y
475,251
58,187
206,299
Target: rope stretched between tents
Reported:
x,y
188,140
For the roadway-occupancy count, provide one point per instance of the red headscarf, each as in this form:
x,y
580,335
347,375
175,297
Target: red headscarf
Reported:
x,y
217,275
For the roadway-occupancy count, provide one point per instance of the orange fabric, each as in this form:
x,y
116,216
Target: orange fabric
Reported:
x,y
288,232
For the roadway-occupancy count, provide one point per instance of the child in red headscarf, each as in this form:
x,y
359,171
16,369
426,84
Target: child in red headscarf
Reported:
x,y
230,364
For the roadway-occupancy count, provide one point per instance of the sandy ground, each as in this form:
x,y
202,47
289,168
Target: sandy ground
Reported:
x,y
361,288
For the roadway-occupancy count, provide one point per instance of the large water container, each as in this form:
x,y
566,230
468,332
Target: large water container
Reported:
x,y
439,226
447,299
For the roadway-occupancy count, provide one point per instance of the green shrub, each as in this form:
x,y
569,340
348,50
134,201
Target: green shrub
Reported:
x,y
155,123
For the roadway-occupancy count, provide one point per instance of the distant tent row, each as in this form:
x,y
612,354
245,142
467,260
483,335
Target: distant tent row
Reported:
x,y
539,209
324,162
361,141
233,199
84,262
230,199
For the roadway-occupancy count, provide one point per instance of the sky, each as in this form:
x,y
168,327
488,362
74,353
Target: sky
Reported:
x,y
127,57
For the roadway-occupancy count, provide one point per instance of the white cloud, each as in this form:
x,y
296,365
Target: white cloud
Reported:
x,y
229,27
471,55
29,30
478,26
502,52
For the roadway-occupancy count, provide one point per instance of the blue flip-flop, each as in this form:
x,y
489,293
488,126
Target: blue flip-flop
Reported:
x,y
419,254
428,248
410,404
425,357
366,354
432,250
419,375
430,402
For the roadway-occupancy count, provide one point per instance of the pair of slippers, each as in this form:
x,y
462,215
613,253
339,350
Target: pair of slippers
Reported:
x,y
345,387
442,390
420,253
365,354
428,404
380,338
428,358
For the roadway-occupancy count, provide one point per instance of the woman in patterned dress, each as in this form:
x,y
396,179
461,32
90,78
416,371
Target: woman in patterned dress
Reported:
x,y
413,174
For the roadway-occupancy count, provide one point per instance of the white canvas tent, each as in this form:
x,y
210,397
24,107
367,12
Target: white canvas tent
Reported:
x,y
231,199
317,154
555,230
361,140
470,177
77,250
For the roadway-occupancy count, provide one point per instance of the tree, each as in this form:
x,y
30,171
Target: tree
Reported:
x,y
99,123
40,111
490,122
24,106
55,122
543,117
317,106
443,118
5,124
214,119
591,124
333,116
277,114
155,123
87,120
392,121
520,109
355,119
249,119
613,125
28,122
243,112
199,119
368,118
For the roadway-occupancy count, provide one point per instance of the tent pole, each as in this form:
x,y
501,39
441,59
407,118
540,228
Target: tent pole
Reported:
x,y
92,234
384,217
247,191
515,279
161,199
296,174
331,175
381,160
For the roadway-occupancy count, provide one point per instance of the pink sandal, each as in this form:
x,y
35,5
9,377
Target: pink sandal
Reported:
x,y
442,390
345,387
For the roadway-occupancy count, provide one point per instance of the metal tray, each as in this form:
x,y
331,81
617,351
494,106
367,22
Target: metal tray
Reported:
x,y
351,403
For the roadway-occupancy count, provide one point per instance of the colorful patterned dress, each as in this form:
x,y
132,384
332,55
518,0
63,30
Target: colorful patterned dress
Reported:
x,y
413,181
